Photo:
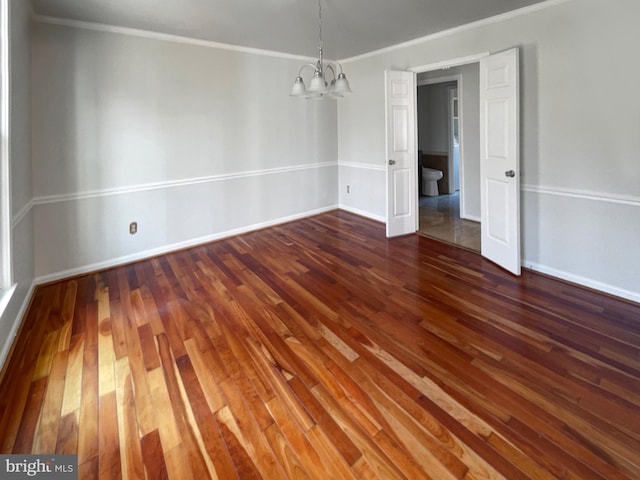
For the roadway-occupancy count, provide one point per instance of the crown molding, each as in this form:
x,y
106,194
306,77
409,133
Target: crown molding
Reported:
x,y
270,53
462,28
166,37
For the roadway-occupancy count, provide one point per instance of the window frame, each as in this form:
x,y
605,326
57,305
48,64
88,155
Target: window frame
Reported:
x,y
6,269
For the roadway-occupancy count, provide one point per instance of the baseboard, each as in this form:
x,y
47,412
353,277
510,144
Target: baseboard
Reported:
x,y
94,267
560,274
583,281
473,218
362,213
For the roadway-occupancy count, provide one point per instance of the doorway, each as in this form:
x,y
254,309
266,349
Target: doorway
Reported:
x,y
453,215
499,166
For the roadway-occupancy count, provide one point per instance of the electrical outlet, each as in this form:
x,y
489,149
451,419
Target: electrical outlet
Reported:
x,y
348,188
133,228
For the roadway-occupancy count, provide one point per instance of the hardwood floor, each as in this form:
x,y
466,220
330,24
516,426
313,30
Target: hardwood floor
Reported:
x,y
440,219
320,349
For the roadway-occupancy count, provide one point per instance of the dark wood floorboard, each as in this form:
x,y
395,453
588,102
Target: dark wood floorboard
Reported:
x,y
320,349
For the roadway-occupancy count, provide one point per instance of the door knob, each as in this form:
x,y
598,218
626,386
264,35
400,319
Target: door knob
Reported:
x,y
510,173
392,162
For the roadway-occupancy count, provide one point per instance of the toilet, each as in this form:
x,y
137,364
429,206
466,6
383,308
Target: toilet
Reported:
x,y
430,179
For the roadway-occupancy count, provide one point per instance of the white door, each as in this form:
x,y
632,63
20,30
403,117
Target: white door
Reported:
x,y
500,159
402,196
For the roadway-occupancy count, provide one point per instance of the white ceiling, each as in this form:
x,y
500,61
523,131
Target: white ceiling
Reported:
x,y
350,27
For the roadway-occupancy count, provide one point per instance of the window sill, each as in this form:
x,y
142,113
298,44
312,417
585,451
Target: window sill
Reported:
x,y
5,296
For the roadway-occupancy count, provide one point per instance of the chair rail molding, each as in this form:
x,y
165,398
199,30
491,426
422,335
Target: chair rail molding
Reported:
x,y
632,200
65,197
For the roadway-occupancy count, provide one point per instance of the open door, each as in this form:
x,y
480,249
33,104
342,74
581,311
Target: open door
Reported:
x,y
500,159
402,196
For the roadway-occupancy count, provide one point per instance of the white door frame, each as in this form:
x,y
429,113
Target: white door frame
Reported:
x,y
454,62
458,79
6,267
503,248
453,106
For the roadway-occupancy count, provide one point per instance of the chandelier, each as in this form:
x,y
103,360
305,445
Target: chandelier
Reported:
x,y
320,86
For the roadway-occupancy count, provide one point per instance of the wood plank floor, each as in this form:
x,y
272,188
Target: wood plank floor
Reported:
x,y
319,349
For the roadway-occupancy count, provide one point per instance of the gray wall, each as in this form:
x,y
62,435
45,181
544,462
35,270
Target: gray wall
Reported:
x,y
192,142
20,158
433,117
182,139
579,139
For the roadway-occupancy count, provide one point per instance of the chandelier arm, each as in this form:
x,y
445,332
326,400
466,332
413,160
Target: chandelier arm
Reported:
x,y
311,65
330,66
319,87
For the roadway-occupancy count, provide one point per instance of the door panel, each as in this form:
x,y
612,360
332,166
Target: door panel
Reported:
x,y
402,197
400,126
497,205
402,200
500,159
498,131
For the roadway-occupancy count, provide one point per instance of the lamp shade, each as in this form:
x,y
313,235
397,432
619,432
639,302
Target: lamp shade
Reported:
x,y
332,90
319,87
298,89
342,85
317,84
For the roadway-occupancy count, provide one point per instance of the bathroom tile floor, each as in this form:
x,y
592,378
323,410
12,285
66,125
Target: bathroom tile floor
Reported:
x,y
440,219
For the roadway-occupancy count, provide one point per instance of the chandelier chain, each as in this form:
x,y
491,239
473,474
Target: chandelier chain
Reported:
x,y
321,86
320,22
